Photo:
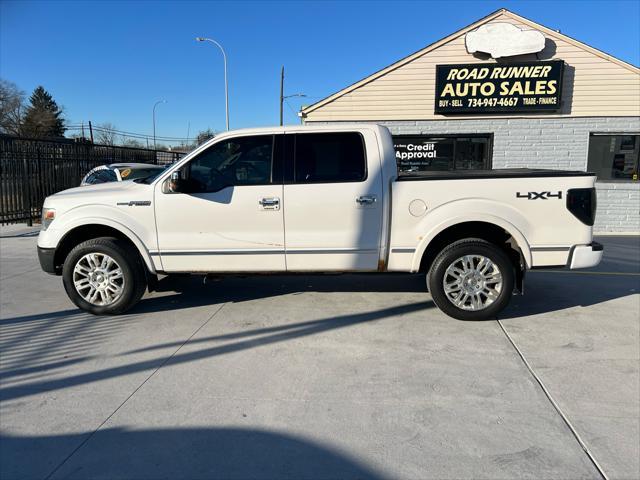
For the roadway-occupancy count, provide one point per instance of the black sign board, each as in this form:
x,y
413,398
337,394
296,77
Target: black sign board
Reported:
x,y
499,88
415,154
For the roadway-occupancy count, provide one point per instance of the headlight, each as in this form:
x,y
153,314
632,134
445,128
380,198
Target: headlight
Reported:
x,y
48,216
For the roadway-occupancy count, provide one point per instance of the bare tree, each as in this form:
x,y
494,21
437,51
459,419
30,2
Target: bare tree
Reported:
x,y
204,135
131,142
11,108
105,134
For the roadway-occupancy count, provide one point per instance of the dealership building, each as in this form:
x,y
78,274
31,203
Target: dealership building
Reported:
x,y
507,92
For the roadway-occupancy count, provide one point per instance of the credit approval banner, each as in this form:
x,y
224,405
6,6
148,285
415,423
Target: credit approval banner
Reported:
x,y
499,88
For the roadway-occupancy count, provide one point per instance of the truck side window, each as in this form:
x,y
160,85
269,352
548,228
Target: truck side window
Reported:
x,y
330,158
233,162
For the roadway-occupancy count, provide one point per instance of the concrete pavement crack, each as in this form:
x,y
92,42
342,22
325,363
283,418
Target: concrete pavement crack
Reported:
x,y
555,405
164,362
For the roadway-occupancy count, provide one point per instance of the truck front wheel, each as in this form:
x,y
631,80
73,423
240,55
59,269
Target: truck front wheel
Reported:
x,y
471,279
104,276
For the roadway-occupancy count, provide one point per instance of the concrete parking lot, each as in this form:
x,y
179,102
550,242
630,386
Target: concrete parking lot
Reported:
x,y
322,376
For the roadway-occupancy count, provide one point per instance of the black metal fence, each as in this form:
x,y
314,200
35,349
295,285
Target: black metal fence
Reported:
x,y
30,170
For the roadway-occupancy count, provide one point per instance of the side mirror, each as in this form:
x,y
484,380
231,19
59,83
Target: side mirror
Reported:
x,y
176,184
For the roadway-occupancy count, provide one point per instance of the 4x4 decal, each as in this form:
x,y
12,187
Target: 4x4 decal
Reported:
x,y
537,195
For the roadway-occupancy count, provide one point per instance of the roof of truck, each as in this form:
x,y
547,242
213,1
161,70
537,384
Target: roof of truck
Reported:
x,y
300,128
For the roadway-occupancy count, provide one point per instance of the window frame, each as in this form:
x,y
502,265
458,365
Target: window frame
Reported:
x,y
455,136
613,134
290,154
276,161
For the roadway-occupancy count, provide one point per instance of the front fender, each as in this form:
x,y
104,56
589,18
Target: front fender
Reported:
x,y
473,210
143,237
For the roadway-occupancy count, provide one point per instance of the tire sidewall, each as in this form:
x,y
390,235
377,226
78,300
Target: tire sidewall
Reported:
x,y
457,250
112,249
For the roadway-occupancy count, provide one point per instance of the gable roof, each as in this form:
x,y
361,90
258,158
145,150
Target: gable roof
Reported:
x,y
498,13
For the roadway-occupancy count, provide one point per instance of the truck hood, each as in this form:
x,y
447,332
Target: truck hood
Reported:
x,y
109,194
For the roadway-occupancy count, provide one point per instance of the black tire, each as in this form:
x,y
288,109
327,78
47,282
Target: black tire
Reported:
x,y
453,252
133,270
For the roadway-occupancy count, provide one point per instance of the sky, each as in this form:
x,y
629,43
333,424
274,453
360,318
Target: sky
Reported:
x,y
111,61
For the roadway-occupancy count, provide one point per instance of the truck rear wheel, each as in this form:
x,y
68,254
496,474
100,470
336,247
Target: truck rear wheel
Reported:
x,y
104,276
471,279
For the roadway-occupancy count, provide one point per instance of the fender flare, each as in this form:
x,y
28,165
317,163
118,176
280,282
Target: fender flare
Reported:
x,y
511,229
107,222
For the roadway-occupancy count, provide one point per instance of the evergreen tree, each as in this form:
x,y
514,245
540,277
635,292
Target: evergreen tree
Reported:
x,y
43,117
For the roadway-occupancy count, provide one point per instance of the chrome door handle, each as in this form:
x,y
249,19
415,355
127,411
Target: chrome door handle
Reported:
x,y
269,203
366,200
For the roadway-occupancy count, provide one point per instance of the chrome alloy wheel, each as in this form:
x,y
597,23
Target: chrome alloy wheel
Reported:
x,y
472,282
98,279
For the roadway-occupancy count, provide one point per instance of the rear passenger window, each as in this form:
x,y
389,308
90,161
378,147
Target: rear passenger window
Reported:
x,y
330,158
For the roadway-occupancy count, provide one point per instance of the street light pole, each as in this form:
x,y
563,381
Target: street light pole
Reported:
x,y
154,121
226,86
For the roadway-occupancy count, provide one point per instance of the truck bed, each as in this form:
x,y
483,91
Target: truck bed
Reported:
x,y
497,173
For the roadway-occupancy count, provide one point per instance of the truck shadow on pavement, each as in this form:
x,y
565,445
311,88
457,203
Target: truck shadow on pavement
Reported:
x,y
36,348
29,372
548,292
188,453
195,290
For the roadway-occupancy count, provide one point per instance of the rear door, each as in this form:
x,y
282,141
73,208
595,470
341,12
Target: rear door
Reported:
x,y
332,201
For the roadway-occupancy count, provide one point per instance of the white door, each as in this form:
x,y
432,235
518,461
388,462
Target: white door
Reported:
x,y
333,202
228,216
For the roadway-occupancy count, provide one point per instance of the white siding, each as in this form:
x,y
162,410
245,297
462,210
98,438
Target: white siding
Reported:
x,y
592,85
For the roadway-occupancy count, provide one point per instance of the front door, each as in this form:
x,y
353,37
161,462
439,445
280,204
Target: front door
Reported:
x,y
333,202
228,216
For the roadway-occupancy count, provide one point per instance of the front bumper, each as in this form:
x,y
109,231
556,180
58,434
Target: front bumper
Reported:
x,y
585,256
46,256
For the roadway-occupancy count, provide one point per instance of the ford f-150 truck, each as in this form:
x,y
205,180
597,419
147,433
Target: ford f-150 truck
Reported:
x,y
318,199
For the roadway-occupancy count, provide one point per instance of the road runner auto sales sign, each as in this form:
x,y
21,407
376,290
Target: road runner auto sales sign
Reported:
x,y
499,88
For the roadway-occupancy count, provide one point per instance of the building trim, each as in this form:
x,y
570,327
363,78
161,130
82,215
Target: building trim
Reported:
x,y
455,35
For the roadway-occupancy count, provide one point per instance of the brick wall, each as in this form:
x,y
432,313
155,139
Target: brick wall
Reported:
x,y
618,208
556,143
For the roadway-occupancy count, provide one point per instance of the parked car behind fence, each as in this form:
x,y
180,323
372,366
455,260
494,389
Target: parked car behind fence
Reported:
x,y
120,172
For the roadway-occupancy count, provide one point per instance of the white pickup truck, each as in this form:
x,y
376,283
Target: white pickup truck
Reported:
x,y
318,199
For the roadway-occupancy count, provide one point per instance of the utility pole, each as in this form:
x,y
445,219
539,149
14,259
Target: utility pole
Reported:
x,y
281,93
91,131
283,97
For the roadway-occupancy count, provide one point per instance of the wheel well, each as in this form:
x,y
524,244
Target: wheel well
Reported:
x,y
484,230
83,233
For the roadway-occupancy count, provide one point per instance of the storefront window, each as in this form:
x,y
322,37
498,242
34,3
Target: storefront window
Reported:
x,y
614,157
431,153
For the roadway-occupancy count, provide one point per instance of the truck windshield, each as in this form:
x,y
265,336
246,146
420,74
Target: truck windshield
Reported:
x,y
149,178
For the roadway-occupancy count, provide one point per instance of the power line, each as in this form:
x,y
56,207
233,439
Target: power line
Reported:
x,y
141,136
120,132
75,126
291,108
